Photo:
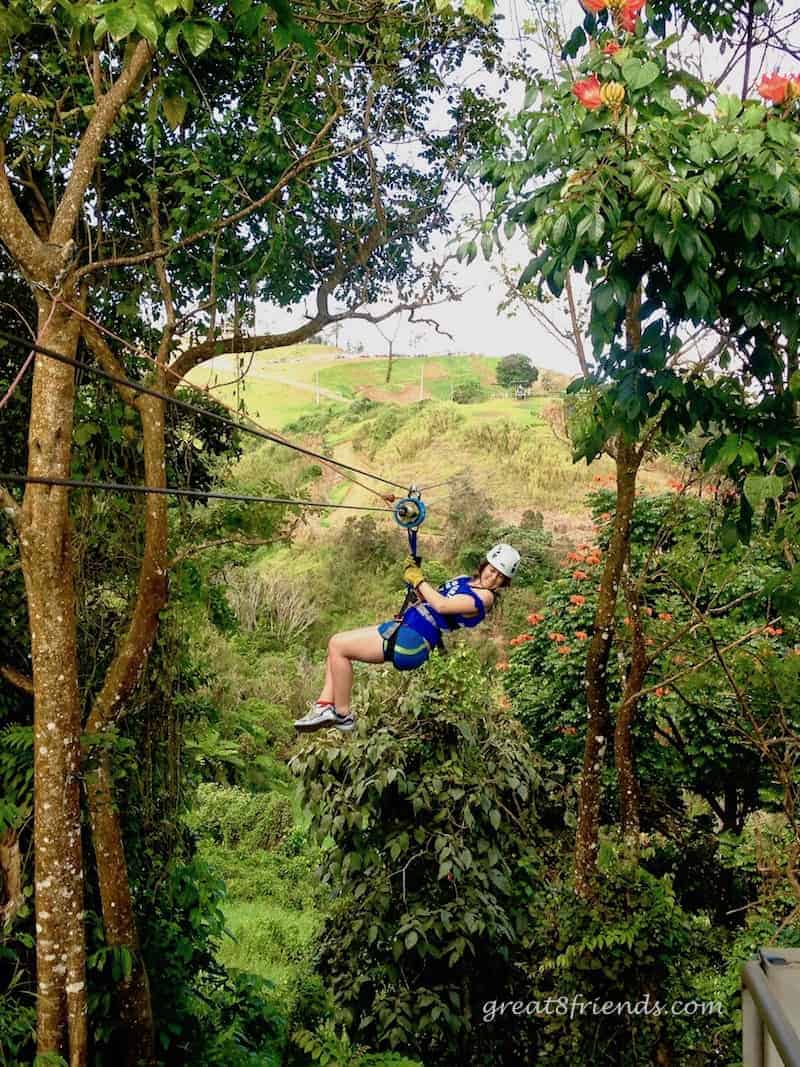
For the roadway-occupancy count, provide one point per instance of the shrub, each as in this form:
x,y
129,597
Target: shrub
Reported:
x,y
469,392
427,814
232,816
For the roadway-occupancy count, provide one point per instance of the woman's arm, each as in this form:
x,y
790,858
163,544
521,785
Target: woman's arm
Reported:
x,y
453,605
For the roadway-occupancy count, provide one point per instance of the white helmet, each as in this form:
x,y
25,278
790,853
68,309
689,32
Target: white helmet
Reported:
x,y
504,558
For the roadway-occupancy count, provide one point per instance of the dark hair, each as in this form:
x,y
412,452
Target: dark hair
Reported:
x,y
495,592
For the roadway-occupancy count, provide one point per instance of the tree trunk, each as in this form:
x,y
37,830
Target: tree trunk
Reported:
x,y
628,461
119,921
46,556
627,783
10,876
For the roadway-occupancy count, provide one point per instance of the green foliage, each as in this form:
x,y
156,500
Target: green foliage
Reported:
x,y
199,1006
233,816
469,392
327,1047
692,204
687,734
516,369
634,945
423,818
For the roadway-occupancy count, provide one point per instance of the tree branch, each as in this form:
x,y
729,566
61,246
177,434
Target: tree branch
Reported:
x,y
17,235
105,114
306,161
247,542
9,506
18,679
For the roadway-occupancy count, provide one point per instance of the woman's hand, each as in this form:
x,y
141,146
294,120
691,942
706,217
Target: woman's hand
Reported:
x,y
413,572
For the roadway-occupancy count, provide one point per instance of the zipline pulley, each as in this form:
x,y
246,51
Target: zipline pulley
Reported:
x,y
409,513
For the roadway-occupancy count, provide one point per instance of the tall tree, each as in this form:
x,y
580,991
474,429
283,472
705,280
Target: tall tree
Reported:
x,y
159,164
683,221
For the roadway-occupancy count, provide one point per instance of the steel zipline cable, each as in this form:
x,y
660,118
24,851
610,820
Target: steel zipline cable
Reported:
x,y
195,409
122,487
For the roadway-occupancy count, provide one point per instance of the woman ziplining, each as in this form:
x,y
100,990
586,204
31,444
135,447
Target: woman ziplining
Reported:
x,y
407,640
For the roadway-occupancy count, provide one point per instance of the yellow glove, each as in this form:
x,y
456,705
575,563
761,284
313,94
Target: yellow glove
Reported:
x,y
413,572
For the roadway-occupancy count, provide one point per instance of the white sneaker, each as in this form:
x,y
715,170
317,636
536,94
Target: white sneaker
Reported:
x,y
319,715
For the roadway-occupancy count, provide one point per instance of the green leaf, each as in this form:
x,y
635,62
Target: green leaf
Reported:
x,y
85,432
794,384
146,21
198,36
175,110
411,938
724,144
171,37
758,488
559,229
646,75
120,20
751,224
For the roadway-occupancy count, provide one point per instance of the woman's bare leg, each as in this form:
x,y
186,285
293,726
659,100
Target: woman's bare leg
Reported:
x,y
365,646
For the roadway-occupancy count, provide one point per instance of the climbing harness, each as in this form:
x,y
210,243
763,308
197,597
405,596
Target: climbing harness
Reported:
x,y
409,514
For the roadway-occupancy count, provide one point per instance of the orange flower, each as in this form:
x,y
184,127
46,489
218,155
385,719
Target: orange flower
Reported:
x,y
573,557
605,516
579,575
774,87
592,560
535,618
627,620
648,612
588,90
629,13
665,616
576,598
569,730
581,635
662,691
502,666
611,48
563,649
555,636
773,631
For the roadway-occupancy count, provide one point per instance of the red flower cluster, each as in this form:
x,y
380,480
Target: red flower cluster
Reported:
x,y
677,486
773,631
580,576
625,13
588,92
581,635
779,88
577,599
611,48
662,691
665,616
555,636
520,639
534,618
563,650
502,665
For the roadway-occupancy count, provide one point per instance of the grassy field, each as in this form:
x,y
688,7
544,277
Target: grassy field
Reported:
x,y
503,447
280,385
